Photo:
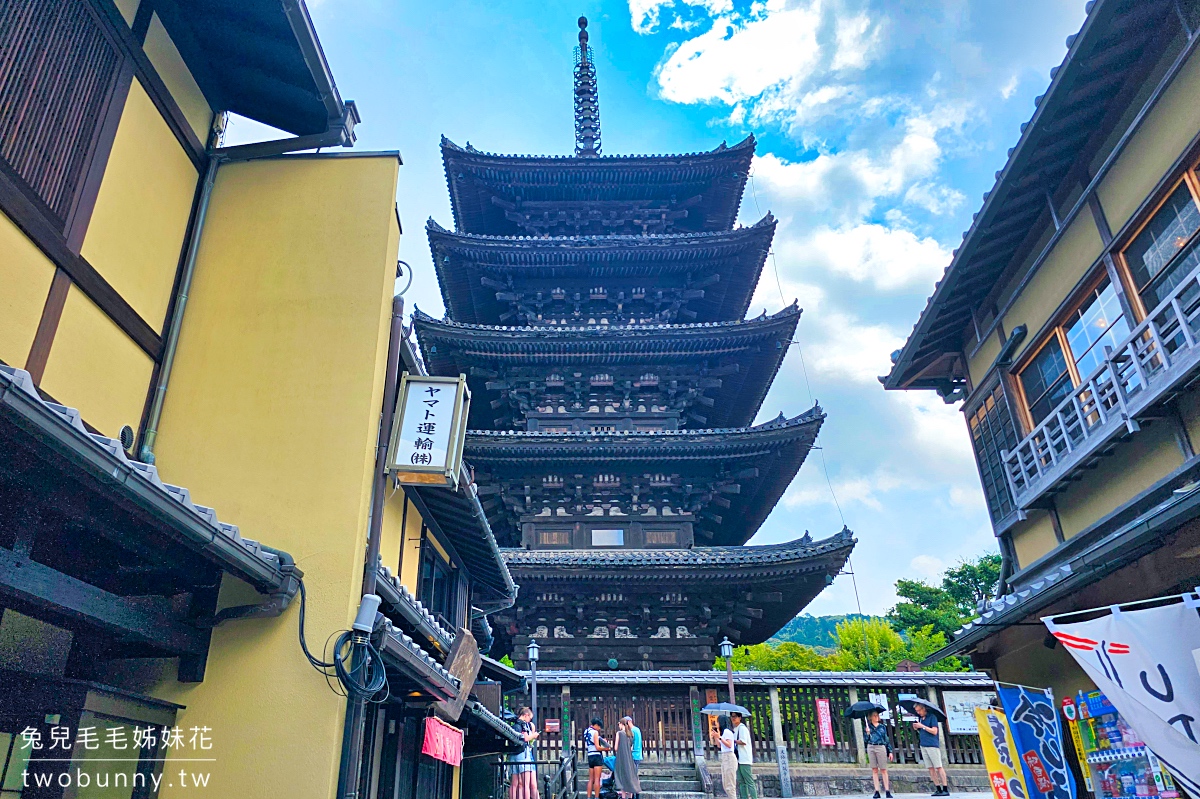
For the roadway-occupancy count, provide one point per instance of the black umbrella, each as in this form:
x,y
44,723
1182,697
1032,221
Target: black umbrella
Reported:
x,y
910,705
860,710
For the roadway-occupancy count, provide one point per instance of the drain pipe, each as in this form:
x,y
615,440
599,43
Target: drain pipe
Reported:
x,y
171,343
339,133
354,730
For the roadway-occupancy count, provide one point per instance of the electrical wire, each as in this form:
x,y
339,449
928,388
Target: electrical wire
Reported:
x,y
364,678
821,450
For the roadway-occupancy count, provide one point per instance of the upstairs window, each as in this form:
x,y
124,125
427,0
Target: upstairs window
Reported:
x,y
992,432
438,589
1073,350
1165,251
58,68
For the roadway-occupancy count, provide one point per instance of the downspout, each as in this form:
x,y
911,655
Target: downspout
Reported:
x,y
354,730
340,132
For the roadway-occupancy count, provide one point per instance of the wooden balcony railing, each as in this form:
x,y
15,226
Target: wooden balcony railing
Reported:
x,y
1155,360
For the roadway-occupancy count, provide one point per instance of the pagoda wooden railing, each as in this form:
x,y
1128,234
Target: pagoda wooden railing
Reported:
x,y
1152,362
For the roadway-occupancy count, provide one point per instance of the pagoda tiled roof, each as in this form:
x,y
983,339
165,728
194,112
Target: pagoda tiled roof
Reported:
x,y
709,563
759,345
476,178
461,259
772,453
795,570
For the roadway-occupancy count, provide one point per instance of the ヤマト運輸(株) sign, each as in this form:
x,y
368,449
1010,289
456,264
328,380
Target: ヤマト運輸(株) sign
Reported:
x,y
429,430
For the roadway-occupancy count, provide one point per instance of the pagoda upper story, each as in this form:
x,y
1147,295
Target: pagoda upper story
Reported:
x,y
527,195
597,305
616,279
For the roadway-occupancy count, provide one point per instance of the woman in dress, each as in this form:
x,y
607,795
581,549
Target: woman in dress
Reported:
x,y
724,741
625,776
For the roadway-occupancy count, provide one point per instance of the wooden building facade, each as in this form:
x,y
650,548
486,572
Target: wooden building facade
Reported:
x,y
1067,326
191,404
596,305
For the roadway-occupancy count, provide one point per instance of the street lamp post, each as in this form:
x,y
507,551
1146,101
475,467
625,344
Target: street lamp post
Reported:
x,y
533,659
727,653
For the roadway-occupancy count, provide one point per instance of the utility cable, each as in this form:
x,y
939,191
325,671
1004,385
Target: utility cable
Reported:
x,y
821,450
356,663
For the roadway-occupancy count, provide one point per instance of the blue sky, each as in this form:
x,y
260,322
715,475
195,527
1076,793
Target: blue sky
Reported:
x,y
880,125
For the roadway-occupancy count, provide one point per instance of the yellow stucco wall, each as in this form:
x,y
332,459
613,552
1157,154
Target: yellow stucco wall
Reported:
x,y
271,418
1034,537
136,232
410,567
1075,252
128,9
1161,139
984,358
25,277
392,531
96,368
169,65
1134,466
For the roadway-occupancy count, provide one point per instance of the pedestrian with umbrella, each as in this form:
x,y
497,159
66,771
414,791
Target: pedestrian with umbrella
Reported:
x,y
737,738
723,740
879,745
929,718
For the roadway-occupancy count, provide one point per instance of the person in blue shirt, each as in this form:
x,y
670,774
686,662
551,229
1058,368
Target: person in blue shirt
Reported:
x,y
637,744
926,726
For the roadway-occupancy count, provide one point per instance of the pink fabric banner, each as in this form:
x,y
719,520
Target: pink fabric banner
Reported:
x,y
825,722
443,742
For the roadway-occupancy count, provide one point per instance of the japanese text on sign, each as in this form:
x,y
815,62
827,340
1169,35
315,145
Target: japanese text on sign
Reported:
x,y
426,425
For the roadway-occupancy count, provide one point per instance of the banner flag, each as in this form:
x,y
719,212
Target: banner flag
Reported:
x,y
825,722
996,740
442,741
1037,733
1147,662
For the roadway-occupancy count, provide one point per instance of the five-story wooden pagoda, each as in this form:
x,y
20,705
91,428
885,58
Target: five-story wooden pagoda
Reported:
x,y
597,305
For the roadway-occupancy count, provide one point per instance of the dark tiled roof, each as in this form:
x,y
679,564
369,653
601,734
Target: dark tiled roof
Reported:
x,y
398,598
758,346
766,456
897,679
475,178
713,562
534,263
61,428
1116,35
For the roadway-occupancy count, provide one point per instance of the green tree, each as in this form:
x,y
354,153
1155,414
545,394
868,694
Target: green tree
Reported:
x,y
924,605
868,645
786,656
972,581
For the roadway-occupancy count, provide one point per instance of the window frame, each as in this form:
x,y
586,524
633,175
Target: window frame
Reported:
x,y
1192,180
1057,330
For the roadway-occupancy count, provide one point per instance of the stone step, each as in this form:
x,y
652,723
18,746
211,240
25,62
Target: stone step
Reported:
x,y
656,784
672,794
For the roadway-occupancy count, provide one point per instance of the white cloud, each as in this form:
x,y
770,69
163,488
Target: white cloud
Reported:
x,y
937,200
889,258
856,40
849,349
645,15
927,567
735,61
1009,88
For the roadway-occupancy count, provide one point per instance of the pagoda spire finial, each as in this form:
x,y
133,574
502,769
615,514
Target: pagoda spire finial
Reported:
x,y
587,102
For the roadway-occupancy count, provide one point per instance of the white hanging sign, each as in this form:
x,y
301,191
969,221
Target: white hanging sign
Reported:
x,y
1145,661
429,430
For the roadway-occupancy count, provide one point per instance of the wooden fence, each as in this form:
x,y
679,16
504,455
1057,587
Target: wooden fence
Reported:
x,y
664,715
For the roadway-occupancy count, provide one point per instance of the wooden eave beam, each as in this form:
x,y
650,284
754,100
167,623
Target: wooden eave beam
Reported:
x,y
44,589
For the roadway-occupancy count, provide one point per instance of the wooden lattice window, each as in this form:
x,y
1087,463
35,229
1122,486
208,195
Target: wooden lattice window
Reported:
x,y
660,537
992,432
58,67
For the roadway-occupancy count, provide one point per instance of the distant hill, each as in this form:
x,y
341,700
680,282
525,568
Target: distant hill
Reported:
x,y
812,630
